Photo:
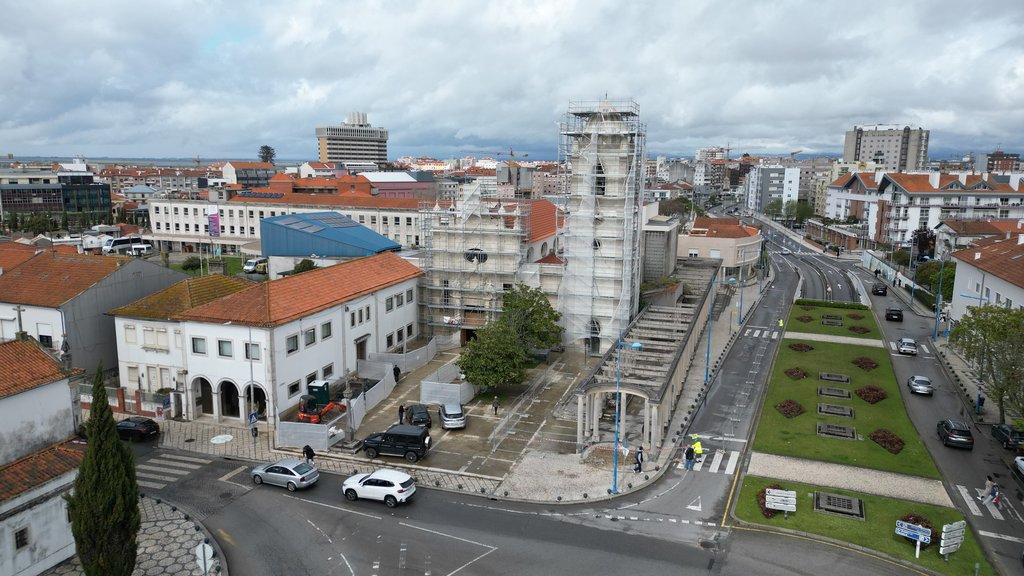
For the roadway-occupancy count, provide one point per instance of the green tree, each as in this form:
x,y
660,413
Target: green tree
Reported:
x,y
267,154
804,211
64,221
191,264
104,505
990,337
530,315
495,358
901,257
789,210
928,275
774,208
304,265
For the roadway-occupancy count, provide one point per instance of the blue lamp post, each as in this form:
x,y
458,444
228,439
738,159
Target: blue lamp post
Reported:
x,y
938,300
711,305
618,368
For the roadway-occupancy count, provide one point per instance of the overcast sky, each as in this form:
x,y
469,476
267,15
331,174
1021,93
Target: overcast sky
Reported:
x,y
219,79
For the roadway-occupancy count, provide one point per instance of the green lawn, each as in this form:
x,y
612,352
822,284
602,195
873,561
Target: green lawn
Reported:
x,y
798,437
814,325
876,531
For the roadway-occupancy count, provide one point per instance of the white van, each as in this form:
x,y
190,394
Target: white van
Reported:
x,y
139,250
255,266
120,245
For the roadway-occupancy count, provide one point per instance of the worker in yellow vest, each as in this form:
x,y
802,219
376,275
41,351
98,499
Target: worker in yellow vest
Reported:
x,y
698,450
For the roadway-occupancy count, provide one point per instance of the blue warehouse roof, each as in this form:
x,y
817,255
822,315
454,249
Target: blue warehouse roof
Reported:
x,y
325,234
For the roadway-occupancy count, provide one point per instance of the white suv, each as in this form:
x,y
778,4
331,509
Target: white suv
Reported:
x,y
391,486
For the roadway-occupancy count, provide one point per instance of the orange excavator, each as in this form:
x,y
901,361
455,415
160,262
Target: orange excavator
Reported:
x,y
312,412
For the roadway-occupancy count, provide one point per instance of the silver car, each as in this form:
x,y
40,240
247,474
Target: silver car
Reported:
x,y
907,346
920,385
291,474
451,416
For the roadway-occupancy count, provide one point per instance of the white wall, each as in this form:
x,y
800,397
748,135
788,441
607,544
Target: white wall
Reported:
x,y
974,282
35,320
50,538
163,355
35,419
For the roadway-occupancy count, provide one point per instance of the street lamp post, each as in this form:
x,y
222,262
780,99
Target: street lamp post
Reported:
x,y
711,305
618,369
938,301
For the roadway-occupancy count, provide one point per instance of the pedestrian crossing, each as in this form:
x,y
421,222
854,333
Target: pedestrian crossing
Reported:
x,y
159,471
717,462
979,508
921,348
765,333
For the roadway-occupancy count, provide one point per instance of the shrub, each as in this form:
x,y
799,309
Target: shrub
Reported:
x,y
914,518
762,500
789,408
859,329
871,394
864,363
796,373
191,263
805,319
855,316
801,347
808,304
887,440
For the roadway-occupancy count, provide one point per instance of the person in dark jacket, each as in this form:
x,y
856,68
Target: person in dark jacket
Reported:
x,y
307,451
401,413
639,459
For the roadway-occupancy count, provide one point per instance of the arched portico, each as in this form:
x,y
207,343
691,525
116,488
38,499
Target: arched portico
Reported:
x,y
229,399
255,400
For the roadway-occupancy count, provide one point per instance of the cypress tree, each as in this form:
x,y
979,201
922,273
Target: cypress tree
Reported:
x,y
104,505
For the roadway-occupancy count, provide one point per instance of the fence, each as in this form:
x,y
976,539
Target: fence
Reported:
x,y
444,385
410,359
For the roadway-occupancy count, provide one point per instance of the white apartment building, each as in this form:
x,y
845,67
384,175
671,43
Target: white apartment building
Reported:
x,y
894,148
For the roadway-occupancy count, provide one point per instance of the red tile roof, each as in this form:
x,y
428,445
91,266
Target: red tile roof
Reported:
x,y
981,227
184,295
263,165
346,200
38,468
551,258
24,365
281,301
14,253
50,280
1002,258
722,228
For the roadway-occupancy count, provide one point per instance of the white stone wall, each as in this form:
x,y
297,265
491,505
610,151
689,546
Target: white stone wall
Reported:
x,y
49,532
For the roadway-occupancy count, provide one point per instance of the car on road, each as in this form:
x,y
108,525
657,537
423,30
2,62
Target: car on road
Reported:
x,y
452,416
137,428
292,474
920,385
1008,436
879,289
955,433
786,252
389,486
906,346
894,314
419,415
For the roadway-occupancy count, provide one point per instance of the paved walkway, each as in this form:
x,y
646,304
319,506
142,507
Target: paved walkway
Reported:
x,y
853,478
871,342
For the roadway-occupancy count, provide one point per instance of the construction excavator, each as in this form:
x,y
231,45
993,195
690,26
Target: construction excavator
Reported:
x,y
312,412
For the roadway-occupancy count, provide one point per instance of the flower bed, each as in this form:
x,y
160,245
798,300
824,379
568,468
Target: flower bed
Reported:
x,y
789,408
864,363
859,329
871,394
913,518
801,347
887,440
796,373
855,316
805,319
762,500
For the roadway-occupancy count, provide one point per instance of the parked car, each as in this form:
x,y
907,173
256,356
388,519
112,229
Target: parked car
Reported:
x,y
894,314
255,266
419,415
292,474
406,440
920,385
390,486
955,433
1008,436
452,416
906,346
879,289
137,428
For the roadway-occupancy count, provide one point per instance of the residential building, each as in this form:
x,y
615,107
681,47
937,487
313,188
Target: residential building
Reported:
x,y
248,174
895,149
766,184
854,197
61,300
989,275
736,244
38,463
168,180
952,235
354,140
604,143
1000,161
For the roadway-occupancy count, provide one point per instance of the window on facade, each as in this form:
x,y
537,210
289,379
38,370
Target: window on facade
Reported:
x,y
389,304
291,344
328,371
390,340
352,319
408,331
408,295
224,348
400,335
252,351
310,378
293,388
360,315
367,313
373,220
362,219
326,330
309,336
599,180
398,220
21,539
199,345
399,299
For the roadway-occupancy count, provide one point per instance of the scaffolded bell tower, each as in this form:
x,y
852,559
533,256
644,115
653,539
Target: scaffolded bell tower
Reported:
x,y
603,156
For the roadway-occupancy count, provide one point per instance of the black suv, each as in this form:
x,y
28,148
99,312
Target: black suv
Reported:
x,y
894,314
406,440
879,289
419,415
955,433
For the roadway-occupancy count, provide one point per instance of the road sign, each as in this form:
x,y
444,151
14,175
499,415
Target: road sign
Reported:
x,y
954,526
204,557
943,549
784,500
252,418
914,532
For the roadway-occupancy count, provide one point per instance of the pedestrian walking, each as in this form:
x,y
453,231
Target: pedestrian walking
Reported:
x,y
698,449
494,405
688,457
398,372
307,451
639,459
992,495
401,413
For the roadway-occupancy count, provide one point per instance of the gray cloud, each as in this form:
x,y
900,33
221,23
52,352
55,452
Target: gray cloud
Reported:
x,y
218,79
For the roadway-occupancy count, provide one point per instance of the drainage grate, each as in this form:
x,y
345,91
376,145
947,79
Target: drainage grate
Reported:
x,y
839,505
833,392
837,431
835,410
833,377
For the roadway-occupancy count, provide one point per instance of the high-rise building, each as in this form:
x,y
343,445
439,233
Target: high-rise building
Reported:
x,y
355,140
1000,161
893,148
603,142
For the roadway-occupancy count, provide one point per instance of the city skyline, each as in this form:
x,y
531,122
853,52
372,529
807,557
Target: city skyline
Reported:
x,y
116,79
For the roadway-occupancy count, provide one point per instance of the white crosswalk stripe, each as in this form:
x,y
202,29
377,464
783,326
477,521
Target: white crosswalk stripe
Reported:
x,y
158,471
730,466
923,348
713,460
761,333
973,505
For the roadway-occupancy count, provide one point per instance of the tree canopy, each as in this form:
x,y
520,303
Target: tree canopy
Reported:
x,y
304,265
495,358
990,336
267,154
773,208
530,315
104,505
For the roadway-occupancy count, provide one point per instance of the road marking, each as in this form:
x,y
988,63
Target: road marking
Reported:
x,y
730,467
227,537
695,505
1001,536
716,461
924,349
994,511
225,477
152,485
966,495
161,469
460,568
151,476
173,463
757,333
332,507
775,335
186,458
